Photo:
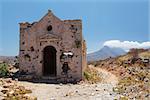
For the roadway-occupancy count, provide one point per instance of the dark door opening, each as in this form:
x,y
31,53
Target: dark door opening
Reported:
x,y
49,65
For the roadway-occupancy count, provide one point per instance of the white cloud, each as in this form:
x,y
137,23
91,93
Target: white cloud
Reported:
x,y
126,45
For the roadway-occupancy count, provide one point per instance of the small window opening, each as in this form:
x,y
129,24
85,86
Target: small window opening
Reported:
x,y
49,28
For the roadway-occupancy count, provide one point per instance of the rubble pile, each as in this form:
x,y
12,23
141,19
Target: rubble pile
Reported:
x,y
133,73
10,90
135,84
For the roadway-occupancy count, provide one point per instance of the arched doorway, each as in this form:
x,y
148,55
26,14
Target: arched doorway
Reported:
x,y
49,64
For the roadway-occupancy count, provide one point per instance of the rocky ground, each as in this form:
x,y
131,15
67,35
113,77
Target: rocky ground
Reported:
x,y
133,74
134,80
11,90
120,78
81,91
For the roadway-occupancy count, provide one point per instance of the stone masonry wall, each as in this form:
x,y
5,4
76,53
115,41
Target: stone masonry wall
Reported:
x,y
65,36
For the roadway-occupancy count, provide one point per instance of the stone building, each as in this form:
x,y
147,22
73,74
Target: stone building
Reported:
x,y
52,49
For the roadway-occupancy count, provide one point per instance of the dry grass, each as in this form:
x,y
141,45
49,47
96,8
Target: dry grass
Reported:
x,y
145,54
135,83
91,75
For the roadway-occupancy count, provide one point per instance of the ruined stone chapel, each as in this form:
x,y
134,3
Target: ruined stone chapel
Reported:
x,y
52,48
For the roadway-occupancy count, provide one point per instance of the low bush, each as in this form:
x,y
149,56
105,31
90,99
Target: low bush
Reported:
x,y
4,69
91,75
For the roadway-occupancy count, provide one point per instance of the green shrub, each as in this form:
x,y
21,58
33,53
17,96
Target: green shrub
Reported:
x,y
3,69
91,75
87,75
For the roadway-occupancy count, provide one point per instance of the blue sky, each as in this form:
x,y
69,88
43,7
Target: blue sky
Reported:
x,y
103,20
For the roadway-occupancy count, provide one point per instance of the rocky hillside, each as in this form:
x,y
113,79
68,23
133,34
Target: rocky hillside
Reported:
x,y
133,70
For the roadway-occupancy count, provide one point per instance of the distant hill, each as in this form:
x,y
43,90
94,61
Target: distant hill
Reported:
x,y
104,53
8,59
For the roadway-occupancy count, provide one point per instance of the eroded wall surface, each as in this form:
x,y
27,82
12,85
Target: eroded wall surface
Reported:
x,y
65,36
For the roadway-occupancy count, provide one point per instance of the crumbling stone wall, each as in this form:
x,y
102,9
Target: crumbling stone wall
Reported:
x,y
64,35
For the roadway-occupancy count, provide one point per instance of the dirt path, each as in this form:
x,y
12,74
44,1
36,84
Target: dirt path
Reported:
x,y
100,91
107,77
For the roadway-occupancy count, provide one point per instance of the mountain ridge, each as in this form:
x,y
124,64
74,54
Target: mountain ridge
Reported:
x,y
105,52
